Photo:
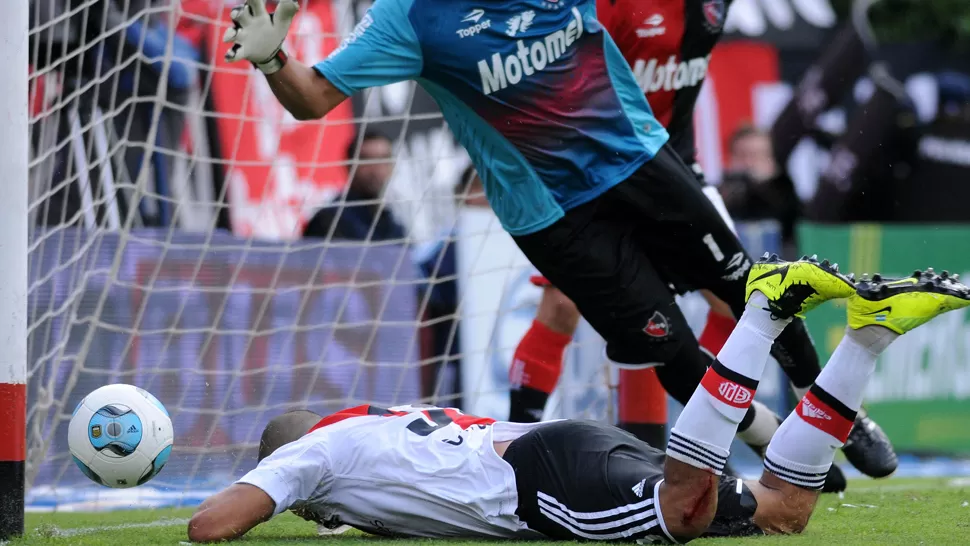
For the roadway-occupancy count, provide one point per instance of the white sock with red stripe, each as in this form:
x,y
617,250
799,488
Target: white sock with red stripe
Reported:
x,y
705,429
802,450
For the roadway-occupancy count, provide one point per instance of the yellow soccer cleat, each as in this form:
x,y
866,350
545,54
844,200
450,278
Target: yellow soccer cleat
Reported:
x,y
795,288
903,304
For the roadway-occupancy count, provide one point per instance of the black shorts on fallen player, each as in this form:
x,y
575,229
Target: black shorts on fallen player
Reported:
x,y
584,480
618,255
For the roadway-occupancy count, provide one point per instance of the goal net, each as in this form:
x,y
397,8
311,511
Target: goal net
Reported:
x,y
168,195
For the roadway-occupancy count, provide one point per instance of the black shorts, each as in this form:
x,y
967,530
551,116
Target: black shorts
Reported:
x,y
619,256
584,480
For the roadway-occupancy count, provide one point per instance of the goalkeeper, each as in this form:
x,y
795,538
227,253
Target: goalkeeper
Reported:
x,y
572,159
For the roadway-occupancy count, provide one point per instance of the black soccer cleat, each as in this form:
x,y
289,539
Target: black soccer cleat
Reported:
x,y
835,481
868,448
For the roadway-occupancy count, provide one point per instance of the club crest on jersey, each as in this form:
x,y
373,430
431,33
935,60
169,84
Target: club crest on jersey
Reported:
x,y
520,23
714,13
658,326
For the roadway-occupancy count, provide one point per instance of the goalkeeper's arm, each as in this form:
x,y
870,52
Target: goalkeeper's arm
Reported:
x,y
303,91
382,49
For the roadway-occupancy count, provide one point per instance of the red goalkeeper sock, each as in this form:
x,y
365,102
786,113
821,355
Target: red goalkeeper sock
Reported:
x,y
716,332
535,370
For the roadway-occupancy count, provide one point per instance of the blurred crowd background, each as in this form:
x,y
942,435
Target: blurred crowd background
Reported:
x,y
826,126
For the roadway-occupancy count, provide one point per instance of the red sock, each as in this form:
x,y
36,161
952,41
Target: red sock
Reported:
x,y
642,398
537,362
716,332
643,406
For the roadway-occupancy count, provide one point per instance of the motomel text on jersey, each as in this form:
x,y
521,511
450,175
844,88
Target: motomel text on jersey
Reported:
x,y
530,58
653,76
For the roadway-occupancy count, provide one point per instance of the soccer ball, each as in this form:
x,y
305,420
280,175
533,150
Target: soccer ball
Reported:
x,y
120,436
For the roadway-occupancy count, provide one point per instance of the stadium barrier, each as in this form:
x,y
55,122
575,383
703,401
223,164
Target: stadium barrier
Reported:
x,y
920,390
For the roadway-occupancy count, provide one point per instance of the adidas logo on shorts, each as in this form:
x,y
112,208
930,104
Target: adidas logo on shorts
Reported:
x,y
638,488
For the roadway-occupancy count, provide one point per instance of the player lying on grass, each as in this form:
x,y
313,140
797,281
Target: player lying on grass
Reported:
x,y
571,157
440,473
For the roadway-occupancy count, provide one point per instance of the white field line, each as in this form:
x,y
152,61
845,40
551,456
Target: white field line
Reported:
x,y
56,532
954,482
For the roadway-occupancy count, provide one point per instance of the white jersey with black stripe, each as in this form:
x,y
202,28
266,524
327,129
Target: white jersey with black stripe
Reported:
x,y
404,471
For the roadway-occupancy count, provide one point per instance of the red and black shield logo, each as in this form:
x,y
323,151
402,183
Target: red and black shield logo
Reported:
x,y
658,326
714,11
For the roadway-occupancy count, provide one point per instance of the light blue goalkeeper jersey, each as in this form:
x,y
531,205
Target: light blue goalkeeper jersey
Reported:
x,y
535,90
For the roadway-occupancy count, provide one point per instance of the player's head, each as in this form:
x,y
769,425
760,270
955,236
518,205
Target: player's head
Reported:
x,y
751,152
284,429
374,152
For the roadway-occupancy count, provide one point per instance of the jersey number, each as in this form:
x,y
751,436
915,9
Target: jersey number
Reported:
x,y
439,418
435,418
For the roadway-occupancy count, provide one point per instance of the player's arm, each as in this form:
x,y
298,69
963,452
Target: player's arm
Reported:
x,y
230,513
294,473
303,91
382,49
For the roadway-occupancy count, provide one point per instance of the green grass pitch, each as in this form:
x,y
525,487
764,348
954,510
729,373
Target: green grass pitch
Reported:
x,y
929,511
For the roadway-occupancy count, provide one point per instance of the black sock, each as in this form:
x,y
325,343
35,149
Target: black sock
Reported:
x,y
654,434
526,405
747,419
681,376
796,354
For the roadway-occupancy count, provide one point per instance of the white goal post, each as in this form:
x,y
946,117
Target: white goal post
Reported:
x,y
13,274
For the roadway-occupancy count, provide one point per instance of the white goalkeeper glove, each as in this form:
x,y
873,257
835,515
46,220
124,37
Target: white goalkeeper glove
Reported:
x,y
257,35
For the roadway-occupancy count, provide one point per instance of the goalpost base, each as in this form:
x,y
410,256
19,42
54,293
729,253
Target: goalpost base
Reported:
x,y
13,415
12,475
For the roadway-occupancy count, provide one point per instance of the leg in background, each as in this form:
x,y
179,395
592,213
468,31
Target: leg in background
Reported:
x,y
720,323
537,362
643,406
